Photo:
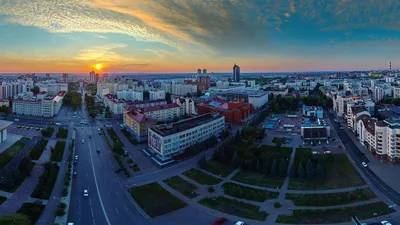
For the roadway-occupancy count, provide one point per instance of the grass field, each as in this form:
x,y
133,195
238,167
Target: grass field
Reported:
x,y
234,207
218,168
248,193
331,199
10,153
182,186
201,177
58,151
334,216
258,179
155,200
340,173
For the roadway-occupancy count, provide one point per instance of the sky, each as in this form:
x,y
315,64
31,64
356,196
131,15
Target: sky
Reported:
x,y
174,36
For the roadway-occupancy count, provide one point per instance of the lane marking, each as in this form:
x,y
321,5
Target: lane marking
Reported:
x,y
97,186
91,209
116,210
116,193
90,201
126,209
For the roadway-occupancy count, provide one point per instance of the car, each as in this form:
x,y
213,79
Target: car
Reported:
x,y
85,193
16,120
83,141
76,157
341,128
219,221
90,136
385,222
75,174
364,164
239,223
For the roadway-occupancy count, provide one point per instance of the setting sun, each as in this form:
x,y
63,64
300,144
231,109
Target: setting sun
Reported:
x,y
98,66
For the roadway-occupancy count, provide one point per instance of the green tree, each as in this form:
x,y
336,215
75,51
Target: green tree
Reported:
x,y
168,97
36,90
274,168
300,171
310,173
202,162
257,166
320,173
282,168
292,172
15,219
235,160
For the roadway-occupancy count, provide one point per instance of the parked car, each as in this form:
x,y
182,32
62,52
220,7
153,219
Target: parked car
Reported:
x,y
239,223
364,164
219,221
385,222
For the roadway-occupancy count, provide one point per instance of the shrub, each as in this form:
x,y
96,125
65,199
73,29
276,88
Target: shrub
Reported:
x,y
211,189
277,205
64,192
48,132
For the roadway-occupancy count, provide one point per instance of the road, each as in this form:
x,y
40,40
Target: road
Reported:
x,y
359,157
107,202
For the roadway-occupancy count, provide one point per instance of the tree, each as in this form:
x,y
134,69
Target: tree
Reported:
x,y
273,168
36,90
257,166
267,167
250,140
320,173
15,219
237,137
235,160
176,119
292,172
168,97
202,162
300,171
310,170
282,168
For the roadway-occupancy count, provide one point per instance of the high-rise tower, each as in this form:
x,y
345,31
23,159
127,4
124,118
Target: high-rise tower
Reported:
x,y
236,73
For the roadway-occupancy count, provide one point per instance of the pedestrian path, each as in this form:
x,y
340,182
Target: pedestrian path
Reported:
x,y
15,201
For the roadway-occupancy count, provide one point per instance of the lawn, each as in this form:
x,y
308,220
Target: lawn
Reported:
x,y
58,151
46,182
280,140
258,179
338,215
32,210
19,179
10,153
129,136
201,177
339,173
38,149
182,186
331,199
48,132
114,136
62,133
234,207
248,193
2,199
155,200
217,168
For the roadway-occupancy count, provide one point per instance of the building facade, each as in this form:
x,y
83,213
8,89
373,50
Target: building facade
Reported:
x,y
236,73
45,106
168,140
154,95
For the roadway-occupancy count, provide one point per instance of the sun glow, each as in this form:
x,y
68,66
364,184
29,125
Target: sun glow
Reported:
x,y
98,66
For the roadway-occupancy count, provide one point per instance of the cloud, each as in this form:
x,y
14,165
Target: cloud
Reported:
x,y
101,36
100,53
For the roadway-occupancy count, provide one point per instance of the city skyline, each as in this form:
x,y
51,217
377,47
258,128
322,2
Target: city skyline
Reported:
x,y
181,36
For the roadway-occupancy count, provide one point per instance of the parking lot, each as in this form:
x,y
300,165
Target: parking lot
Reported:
x,y
25,130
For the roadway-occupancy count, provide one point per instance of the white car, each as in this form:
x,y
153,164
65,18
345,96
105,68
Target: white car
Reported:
x,y
385,222
239,223
83,141
364,164
85,193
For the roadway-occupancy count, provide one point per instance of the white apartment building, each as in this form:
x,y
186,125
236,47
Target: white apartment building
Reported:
x,y
154,95
378,94
396,92
340,104
258,99
353,112
168,140
130,95
116,106
44,106
91,77
52,87
186,106
9,90
166,112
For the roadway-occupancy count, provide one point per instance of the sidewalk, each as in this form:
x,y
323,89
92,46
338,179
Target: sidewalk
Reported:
x,y
48,214
15,201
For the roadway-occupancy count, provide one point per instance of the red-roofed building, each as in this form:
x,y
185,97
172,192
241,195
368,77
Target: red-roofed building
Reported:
x,y
137,123
238,112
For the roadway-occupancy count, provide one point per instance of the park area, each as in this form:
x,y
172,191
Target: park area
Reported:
x,y
321,172
182,186
201,177
234,207
58,151
10,153
334,216
46,181
155,200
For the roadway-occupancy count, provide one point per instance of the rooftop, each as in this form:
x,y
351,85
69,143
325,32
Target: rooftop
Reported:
x,y
159,107
169,129
4,124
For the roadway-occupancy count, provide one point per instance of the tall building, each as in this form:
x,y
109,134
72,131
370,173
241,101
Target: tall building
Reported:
x,y
198,71
91,77
236,73
203,83
65,77
157,94
47,76
96,78
204,71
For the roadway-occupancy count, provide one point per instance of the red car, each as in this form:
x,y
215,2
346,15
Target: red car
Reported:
x,y
219,221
